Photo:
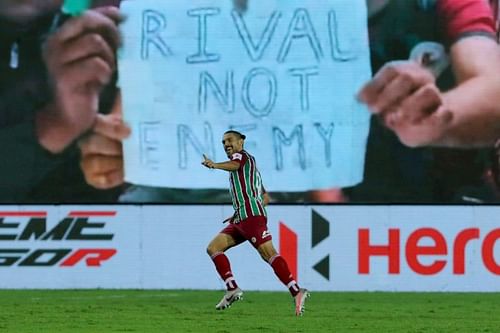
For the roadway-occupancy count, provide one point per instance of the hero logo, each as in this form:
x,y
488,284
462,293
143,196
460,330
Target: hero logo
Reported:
x,y
413,250
22,227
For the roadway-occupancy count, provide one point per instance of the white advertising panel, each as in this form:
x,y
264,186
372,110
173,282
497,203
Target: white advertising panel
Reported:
x,y
331,248
70,247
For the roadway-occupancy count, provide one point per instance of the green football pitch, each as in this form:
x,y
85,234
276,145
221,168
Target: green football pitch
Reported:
x,y
193,311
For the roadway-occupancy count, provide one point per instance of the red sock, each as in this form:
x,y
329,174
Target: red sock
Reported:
x,y
224,269
281,270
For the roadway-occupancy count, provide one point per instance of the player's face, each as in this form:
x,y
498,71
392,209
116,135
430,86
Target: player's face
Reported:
x,y
24,11
232,143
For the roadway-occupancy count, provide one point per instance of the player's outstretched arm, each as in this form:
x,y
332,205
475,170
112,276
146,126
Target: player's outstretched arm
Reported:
x,y
227,166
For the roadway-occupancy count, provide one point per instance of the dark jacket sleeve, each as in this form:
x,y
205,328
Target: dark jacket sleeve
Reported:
x,y
27,171
23,162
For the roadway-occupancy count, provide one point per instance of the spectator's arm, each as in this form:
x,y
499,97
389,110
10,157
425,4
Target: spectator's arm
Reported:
x,y
475,102
24,162
404,95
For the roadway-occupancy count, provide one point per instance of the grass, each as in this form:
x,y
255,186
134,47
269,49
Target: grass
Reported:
x,y
24,311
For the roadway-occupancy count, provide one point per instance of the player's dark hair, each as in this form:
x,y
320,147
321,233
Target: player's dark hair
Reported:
x,y
241,136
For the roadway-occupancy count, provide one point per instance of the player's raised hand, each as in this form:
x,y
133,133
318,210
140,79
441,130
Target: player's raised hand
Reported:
x,y
80,61
101,150
208,162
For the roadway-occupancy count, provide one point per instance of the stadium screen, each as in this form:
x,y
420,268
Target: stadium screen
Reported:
x,y
286,74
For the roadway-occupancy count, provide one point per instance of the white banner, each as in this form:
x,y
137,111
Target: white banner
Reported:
x,y
285,73
330,248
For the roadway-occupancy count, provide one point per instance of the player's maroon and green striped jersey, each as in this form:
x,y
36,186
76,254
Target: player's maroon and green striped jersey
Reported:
x,y
246,187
